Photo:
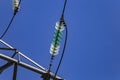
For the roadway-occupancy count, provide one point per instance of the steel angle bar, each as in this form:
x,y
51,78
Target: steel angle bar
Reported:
x,y
7,49
6,44
32,61
29,67
15,71
8,64
5,66
19,53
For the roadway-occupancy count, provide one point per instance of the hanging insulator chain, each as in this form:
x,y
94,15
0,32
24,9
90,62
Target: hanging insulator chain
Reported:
x,y
55,46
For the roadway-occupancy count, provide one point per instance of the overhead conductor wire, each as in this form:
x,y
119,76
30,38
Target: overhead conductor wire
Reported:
x,y
56,40
16,5
65,42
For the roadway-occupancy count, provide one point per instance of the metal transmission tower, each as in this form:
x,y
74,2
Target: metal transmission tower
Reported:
x,y
11,60
46,74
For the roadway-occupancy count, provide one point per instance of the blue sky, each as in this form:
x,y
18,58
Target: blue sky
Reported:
x,y
93,47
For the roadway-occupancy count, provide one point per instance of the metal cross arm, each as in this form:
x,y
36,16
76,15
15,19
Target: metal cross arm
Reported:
x,y
21,54
17,62
27,66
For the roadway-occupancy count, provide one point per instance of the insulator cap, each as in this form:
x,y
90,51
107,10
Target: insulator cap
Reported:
x,y
15,5
59,26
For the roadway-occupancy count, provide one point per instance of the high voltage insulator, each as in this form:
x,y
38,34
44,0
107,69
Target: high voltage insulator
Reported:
x,y
55,46
15,5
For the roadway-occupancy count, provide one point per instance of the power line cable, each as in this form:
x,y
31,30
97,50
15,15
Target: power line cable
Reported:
x,y
65,42
63,11
56,41
63,52
16,5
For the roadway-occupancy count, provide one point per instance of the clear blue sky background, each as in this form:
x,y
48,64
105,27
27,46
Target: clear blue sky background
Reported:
x,y
93,49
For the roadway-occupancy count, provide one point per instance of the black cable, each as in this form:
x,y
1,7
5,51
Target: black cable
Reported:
x,y
64,7
63,52
7,27
47,76
65,42
15,12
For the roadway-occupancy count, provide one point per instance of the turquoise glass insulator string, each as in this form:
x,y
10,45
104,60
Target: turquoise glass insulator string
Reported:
x,y
55,45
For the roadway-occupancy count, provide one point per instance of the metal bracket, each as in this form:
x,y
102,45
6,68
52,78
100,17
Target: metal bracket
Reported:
x,y
38,69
